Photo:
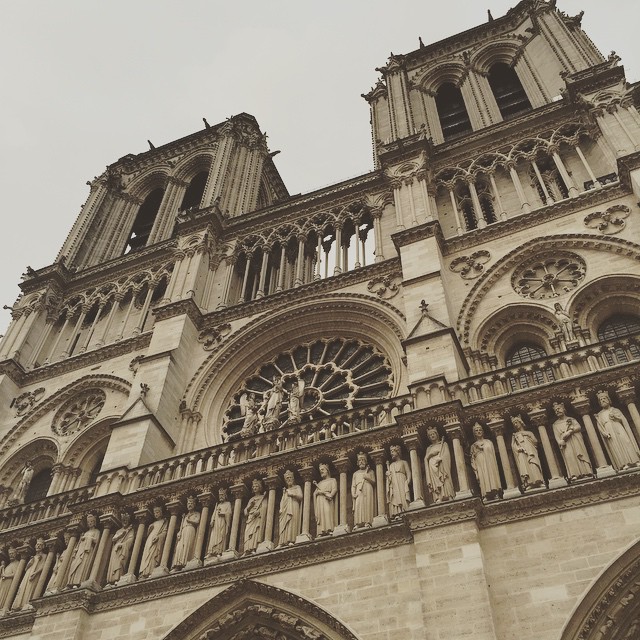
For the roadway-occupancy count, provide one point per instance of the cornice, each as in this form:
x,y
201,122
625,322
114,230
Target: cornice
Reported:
x,y
13,625
56,274
594,78
186,307
415,234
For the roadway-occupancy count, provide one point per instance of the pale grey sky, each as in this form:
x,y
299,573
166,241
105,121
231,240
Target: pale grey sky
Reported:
x,y
85,83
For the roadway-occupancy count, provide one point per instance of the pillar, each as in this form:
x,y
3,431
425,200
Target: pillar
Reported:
x,y
496,426
306,473
237,491
525,207
271,483
379,458
108,522
568,180
412,442
343,466
581,404
454,431
174,508
539,419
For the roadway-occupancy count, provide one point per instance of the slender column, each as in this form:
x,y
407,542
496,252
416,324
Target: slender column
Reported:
x,y
342,465
627,394
547,197
231,261
456,213
74,333
193,268
496,195
377,234
271,483
117,299
614,110
283,257
263,272
525,207
61,579
24,552
422,182
245,278
539,419
454,431
412,205
568,180
379,457
87,340
306,473
145,309
587,167
19,318
142,517
237,491
496,425
317,275
357,263
108,522
412,441
300,261
397,192
482,222
338,268
54,348
56,470
174,507
41,342
204,499
581,404
123,327
51,544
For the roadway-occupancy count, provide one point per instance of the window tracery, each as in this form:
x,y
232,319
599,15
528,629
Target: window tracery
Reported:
x,y
549,276
79,412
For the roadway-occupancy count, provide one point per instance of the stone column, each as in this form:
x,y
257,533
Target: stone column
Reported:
x,y
568,180
108,522
145,308
123,327
343,465
87,340
174,508
51,544
49,322
338,265
67,352
228,276
245,277
377,234
496,195
300,262
306,473
454,431
204,499
61,579
142,517
271,482
582,405
25,551
397,194
237,491
281,268
263,272
525,207
117,299
547,197
413,443
496,426
456,213
54,348
379,457
482,222
627,394
587,167
56,472
539,419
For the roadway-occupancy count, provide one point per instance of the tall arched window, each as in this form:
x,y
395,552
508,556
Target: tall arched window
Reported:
x,y
454,119
508,91
39,486
195,191
522,353
620,325
144,221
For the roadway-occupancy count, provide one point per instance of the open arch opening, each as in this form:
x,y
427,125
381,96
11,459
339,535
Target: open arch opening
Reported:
x,y
452,111
144,221
508,91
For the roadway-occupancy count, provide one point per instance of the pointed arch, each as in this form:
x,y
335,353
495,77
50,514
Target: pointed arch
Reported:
x,y
41,452
87,450
251,609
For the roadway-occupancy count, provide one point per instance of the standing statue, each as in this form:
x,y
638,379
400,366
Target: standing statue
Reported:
x,y
574,452
324,501
525,451
437,463
6,576
272,405
294,410
220,522
616,433
249,409
52,585
30,578
566,324
398,481
152,552
485,465
256,514
20,493
84,553
121,546
363,483
290,510
186,538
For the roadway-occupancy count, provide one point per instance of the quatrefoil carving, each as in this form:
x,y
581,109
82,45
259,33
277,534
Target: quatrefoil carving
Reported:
x,y
470,267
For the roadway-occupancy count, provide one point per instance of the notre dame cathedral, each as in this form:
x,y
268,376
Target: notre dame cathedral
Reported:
x,y
402,406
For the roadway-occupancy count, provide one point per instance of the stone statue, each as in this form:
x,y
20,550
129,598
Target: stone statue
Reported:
x,y
220,523
437,464
6,576
296,394
574,452
256,515
566,324
324,501
398,481
30,578
121,546
20,493
84,553
272,405
485,465
52,585
152,552
290,510
616,434
186,538
249,410
363,485
525,452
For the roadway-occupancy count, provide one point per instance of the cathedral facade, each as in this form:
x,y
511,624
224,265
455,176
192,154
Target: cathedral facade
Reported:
x,y
402,406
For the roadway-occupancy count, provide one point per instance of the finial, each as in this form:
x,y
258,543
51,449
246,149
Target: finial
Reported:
x,y
489,15
206,124
424,307
421,43
151,145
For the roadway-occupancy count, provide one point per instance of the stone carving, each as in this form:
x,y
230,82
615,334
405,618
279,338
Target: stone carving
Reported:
x,y
121,546
30,578
525,451
186,538
437,463
79,412
220,523
290,510
485,465
574,453
385,287
256,515
52,585
296,396
84,553
324,500
6,575
152,552
20,493
566,324
610,221
470,267
616,434
398,481
25,401
272,405
549,276
363,485
213,336
249,409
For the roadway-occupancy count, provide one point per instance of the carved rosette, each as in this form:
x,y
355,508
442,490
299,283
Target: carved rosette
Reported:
x,y
470,267
549,275
610,221
385,287
78,412
213,336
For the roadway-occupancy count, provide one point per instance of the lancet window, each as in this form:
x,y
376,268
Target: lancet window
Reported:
x,y
454,119
620,326
522,353
144,220
39,485
508,91
194,192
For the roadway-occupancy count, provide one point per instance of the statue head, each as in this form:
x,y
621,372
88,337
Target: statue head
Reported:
x,y
324,470
256,487
517,422
362,460
289,478
66,536
478,431
191,502
603,398
432,434
12,552
558,307
558,409
395,451
222,494
125,518
39,545
92,520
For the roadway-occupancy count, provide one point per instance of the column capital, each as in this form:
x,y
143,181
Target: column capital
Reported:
x,y
342,464
625,391
174,507
580,403
412,440
238,491
143,515
205,499
495,423
272,482
306,473
379,456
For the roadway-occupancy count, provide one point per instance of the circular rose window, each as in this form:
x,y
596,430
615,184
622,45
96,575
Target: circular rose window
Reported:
x,y
549,275
78,412
312,380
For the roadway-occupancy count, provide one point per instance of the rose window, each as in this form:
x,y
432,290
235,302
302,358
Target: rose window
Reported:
x,y
549,276
310,381
79,412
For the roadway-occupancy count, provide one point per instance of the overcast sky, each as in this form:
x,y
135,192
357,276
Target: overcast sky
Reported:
x,y
85,83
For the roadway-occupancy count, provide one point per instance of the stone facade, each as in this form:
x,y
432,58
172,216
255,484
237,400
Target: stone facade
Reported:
x,y
214,377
